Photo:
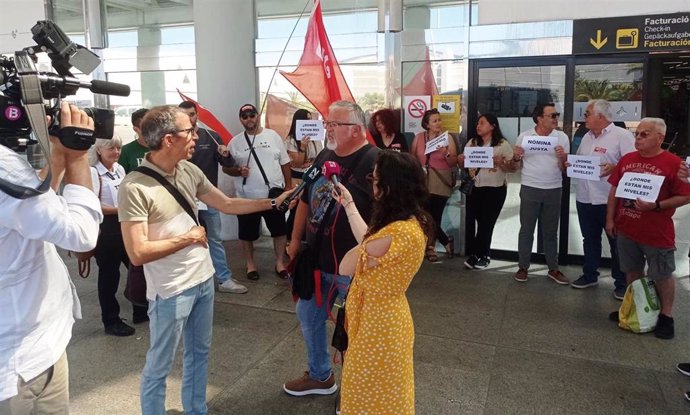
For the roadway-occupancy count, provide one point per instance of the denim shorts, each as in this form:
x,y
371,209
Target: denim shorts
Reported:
x,y
633,255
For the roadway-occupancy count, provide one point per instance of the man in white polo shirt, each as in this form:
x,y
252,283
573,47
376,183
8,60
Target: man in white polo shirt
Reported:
x,y
609,143
540,191
163,237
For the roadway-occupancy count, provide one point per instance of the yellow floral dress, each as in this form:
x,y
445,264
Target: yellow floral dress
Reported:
x,y
378,372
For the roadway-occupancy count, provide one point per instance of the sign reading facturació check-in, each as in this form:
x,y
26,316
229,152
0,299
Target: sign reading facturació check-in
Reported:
x,y
651,33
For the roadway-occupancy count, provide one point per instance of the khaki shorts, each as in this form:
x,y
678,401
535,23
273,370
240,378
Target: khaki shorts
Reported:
x,y
633,255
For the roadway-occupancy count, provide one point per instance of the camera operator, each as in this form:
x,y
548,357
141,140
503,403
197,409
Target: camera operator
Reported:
x,y
38,300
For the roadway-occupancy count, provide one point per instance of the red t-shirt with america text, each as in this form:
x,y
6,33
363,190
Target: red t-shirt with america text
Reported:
x,y
650,228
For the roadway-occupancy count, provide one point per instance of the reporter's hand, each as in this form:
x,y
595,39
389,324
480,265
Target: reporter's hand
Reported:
x,y
345,197
71,116
285,195
197,234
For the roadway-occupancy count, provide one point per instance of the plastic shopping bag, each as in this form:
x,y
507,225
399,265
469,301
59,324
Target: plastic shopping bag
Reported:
x,y
640,309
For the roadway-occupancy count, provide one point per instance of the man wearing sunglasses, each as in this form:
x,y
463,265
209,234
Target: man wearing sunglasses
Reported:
x,y
262,164
608,142
644,230
540,191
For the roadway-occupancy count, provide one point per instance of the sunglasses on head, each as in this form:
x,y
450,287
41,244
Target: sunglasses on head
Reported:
x,y
247,115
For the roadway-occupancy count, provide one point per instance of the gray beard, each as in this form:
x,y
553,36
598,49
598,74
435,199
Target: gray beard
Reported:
x,y
331,144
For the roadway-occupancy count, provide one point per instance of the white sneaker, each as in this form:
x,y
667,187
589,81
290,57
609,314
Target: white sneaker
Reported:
x,y
230,286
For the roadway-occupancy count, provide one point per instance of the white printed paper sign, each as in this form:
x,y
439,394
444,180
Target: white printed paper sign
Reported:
x,y
639,185
584,167
536,144
436,143
479,157
309,128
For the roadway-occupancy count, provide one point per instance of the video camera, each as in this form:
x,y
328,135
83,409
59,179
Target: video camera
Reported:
x,y
21,85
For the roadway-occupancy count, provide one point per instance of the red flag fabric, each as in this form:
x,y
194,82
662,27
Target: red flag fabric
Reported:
x,y
209,119
279,114
424,81
318,76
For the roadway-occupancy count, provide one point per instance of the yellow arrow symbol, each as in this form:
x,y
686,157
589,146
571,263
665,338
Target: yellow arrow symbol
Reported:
x,y
599,43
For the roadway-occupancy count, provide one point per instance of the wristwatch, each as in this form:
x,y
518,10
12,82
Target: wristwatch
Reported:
x,y
274,204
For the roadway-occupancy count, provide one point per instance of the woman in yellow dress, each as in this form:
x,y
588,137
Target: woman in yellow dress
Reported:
x,y
378,373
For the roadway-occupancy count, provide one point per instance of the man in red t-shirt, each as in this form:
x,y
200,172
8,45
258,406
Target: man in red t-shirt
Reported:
x,y
645,229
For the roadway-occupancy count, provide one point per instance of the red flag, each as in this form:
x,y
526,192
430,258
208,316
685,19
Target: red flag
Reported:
x,y
318,76
209,119
279,114
424,81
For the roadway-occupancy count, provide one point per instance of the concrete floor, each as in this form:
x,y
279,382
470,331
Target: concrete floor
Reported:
x,y
485,344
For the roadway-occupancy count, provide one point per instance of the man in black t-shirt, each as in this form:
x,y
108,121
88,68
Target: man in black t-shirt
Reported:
x,y
317,212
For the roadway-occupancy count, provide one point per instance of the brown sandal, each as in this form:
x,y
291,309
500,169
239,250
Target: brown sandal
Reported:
x,y
431,255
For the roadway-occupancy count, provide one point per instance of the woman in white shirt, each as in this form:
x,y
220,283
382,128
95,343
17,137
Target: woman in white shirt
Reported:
x,y
489,193
106,175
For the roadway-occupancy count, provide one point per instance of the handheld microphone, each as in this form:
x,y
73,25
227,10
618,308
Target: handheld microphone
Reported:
x,y
331,170
308,177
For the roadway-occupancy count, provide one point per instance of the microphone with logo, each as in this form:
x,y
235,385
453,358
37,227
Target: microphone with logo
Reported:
x,y
308,177
331,170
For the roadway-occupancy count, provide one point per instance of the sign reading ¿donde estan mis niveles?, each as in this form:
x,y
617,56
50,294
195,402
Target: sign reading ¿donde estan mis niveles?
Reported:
x,y
651,33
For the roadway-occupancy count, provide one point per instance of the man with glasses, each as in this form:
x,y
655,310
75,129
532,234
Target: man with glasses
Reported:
x,y
329,237
208,153
609,143
261,164
160,234
540,191
644,230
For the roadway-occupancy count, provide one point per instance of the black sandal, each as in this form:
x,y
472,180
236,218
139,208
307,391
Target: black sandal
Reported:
x,y
252,275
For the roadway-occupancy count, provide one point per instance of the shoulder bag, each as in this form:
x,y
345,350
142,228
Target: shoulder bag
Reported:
x,y
273,192
84,258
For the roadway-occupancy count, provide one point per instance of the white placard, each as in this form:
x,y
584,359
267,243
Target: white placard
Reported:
x,y
415,106
309,128
584,167
436,143
639,185
536,144
479,157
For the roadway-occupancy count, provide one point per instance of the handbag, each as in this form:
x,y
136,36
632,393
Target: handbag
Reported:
x,y
640,308
273,192
466,182
340,339
135,289
439,182
84,258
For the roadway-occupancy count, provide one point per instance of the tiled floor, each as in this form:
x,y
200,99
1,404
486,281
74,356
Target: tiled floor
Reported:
x,y
485,344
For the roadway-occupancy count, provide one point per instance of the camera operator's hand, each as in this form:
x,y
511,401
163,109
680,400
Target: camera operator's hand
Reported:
x,y
74,163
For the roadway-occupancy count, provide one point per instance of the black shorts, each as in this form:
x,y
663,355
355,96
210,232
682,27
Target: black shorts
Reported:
x,y
249,226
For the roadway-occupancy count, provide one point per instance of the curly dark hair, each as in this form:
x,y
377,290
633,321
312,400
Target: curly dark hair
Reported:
x,y
300,114
402,184
388,119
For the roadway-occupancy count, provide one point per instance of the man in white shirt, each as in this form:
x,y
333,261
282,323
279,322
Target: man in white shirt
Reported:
x,y
38,301
160,234
540,191
253,178
609,143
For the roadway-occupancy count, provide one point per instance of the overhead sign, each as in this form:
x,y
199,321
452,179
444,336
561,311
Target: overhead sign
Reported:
x,y
652,33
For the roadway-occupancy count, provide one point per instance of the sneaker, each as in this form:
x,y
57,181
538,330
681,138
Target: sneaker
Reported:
x,y
230,286
684,368
140,319
471,261
119,329
583,282
558,277
482,263
521,275
619,293
664,327
305,385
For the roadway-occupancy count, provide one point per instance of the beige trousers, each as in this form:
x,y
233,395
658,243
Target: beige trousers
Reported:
x,y
46,394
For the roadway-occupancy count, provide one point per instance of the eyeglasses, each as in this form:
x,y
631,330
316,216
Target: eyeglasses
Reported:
x,y
553,115
333,124
187,131
587,114
644,133
248,115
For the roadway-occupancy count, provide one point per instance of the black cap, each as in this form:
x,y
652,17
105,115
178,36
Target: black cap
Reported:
x,y
247,109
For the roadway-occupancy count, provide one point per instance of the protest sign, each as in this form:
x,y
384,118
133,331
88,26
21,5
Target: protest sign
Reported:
x,y
639,185
309,128
436,143
535,144
584,167
479,157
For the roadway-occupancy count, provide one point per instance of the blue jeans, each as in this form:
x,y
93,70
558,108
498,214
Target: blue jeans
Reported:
x,y
592,223
211,218
312,320
188,314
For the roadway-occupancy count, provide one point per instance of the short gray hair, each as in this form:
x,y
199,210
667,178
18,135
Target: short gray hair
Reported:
x,y
658,123
158,122
601,107
102,143
356,113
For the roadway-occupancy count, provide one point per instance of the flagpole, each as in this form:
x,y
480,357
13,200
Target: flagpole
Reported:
x,y
270,84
